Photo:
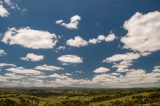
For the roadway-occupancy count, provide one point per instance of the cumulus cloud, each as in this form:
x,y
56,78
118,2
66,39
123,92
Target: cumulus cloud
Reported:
x,y
101,38
32,57
6,65
122,61
77,42
30,38
59,80
70,59
142,37
58,76
3,11
2,52
21,70
46,67
122,66
93,41
143,33
73,24
101,70
156,69
125,57
110,37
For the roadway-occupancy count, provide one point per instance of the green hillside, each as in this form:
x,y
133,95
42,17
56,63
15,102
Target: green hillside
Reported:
x,y
80,97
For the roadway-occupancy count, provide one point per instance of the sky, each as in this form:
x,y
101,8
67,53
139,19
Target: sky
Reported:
x,y
75,43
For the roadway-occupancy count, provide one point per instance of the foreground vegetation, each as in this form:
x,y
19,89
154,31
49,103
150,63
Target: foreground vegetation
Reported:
x,y
79,97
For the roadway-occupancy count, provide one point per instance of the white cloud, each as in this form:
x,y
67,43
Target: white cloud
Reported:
x,y
6,65
57,76
77,42
68,74
143,33
9,76
79,72
13,76
122,66
101,38
3,11
30,78
59,21
9,3
133,78
102,78
116,74
2,52
156,69
21,70
61,80
70,59
32,57
110,37
122,61
125,57
101,70
48,68
73,24
29,38
60,48
93,41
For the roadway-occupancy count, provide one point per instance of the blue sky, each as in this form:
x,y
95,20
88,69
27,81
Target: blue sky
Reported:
x,y
92,43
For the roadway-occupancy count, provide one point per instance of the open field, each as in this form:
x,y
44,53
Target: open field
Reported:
x,y
79,97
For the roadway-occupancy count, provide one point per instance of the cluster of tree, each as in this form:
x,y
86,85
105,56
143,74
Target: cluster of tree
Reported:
x,y
28,101
23,101
8,102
